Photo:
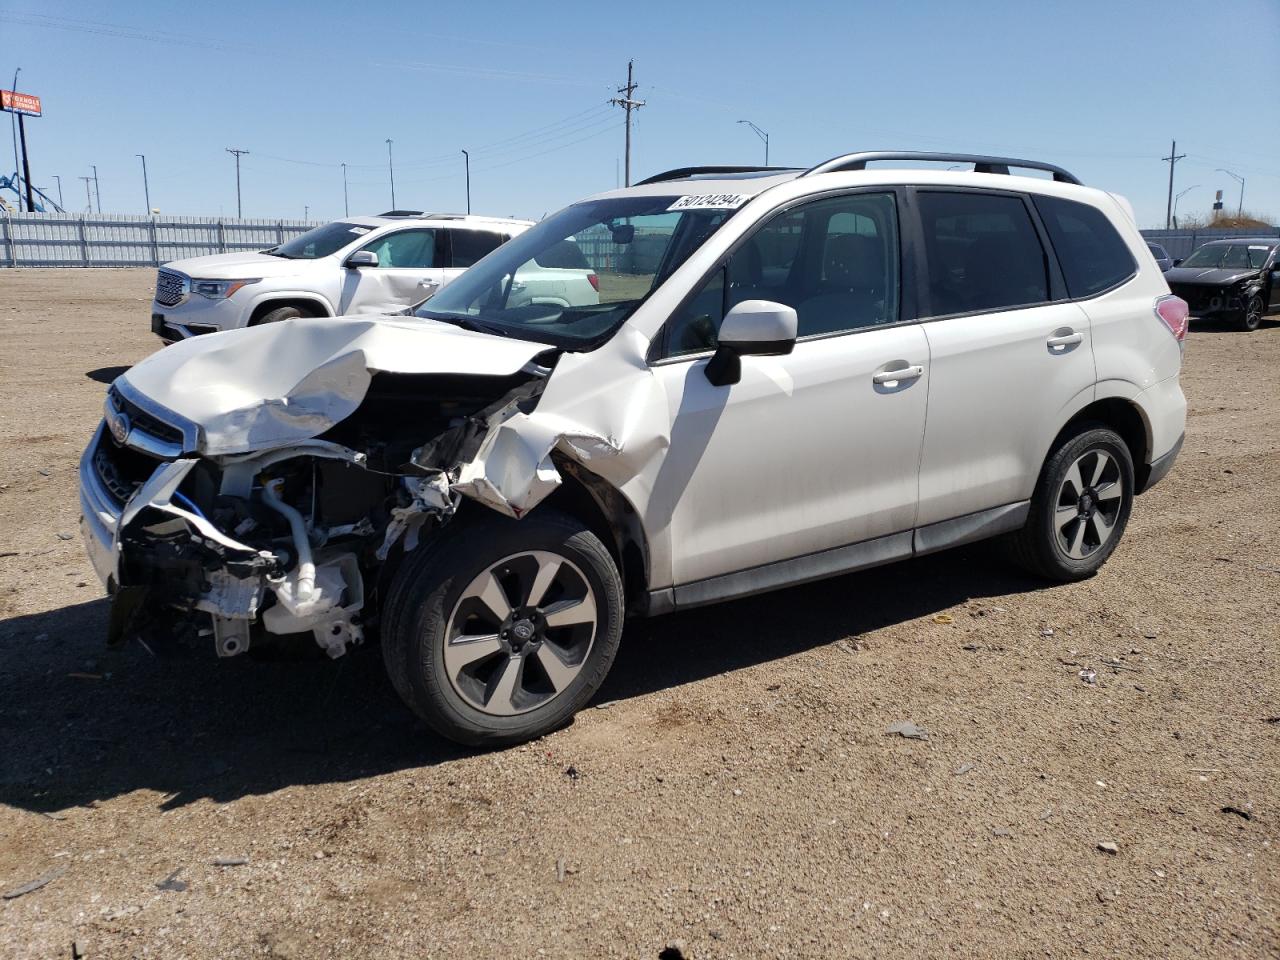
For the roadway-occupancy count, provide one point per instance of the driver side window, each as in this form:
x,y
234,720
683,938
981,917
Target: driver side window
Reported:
x,y
835,261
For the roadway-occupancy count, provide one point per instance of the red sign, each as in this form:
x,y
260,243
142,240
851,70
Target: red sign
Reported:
x,y
15,102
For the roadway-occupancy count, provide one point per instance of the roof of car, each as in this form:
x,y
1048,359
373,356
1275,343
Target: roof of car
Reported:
x,y
454,219
1269,241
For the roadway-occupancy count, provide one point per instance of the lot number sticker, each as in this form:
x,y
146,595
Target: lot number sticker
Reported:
x,y
714,201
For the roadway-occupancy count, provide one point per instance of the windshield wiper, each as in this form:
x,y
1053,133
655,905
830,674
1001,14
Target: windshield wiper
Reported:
x,y
466,323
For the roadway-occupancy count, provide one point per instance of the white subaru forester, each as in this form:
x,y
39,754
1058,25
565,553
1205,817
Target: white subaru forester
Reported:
x,y
790,374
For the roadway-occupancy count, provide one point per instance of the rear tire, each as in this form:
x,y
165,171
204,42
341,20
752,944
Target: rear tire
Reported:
x,y
503,629
1251,318
278,314
1080,506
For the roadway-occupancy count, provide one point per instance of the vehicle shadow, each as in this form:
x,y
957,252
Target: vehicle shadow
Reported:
x,y
106,374
82,723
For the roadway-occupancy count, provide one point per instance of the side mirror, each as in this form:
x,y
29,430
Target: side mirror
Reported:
x,y
361,258
1177,261
758,328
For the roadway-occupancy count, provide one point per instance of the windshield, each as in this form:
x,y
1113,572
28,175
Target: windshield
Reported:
x,y
320,242
575,277
1237,255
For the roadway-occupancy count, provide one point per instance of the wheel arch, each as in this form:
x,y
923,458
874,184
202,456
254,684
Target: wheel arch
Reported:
x,y
1127,419
612,518
310,305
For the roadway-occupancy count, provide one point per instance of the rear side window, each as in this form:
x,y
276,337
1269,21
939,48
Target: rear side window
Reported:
x,y
1092,254
984,253
471,245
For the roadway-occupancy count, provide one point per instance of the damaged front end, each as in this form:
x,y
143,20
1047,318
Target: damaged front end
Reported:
x,y
246,546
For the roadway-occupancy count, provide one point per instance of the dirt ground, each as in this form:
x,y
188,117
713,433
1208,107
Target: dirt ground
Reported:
x,y
735,788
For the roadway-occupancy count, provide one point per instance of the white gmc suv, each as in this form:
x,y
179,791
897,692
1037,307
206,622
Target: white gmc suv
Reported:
x,y
788,375
356,265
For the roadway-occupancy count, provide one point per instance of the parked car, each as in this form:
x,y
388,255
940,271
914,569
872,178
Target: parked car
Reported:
x,y
1236,280
824,370
1163,260
355,265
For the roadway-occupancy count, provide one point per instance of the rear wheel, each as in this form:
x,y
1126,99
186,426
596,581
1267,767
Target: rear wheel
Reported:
x,y
504,629
1080,506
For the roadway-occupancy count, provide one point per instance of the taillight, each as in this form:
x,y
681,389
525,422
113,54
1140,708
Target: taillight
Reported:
x,y
1174,314
594,281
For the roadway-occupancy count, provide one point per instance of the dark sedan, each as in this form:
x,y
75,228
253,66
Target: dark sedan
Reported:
x,y
1236,280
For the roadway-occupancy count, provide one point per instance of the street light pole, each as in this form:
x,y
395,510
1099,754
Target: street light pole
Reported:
x,y
88,196
392,171
1239,209
346,209
59,179
467,161
146,188
1179,197
762,135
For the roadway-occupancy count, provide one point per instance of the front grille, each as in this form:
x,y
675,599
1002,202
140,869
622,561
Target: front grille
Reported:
x,y
144,422
171,288
1197,297
121,470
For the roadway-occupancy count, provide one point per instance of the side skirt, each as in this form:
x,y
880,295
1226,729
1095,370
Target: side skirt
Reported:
x,y
841,560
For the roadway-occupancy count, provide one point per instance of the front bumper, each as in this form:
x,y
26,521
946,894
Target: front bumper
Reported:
x,y
1207,302
194,316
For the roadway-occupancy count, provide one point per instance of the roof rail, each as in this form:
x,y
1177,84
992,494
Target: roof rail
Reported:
x,y
680,173
981,164
401,213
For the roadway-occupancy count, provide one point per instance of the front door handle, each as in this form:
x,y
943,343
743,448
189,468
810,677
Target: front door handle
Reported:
x,y
895,376
1062,341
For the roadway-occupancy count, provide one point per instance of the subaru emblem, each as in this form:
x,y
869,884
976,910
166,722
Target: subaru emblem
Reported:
x,y
118,424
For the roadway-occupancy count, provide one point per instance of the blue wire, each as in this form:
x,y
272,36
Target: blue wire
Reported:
x,y
186,502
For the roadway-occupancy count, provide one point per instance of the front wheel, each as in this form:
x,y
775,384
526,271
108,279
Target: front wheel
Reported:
x,y
1080,507
504,629
278,314
1251,318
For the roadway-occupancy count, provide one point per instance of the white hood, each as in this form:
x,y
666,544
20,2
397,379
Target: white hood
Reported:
x,y
261,387
238,266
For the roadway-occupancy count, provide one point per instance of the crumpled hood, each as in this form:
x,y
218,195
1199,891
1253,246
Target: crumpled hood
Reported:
x,y
238,266
1208,276
261,387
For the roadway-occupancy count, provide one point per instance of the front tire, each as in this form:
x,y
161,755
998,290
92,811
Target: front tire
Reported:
x,y
1251,318
503,629
278,314
1080,506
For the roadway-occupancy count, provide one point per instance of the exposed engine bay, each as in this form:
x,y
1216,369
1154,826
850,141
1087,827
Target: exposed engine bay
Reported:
x,y
295,538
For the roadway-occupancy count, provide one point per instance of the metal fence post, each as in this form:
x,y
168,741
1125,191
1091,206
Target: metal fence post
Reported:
x,y
8,240
222,238
279,232
84,243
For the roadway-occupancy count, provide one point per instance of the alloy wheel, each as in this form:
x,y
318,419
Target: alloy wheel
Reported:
x,y
520,633
1089,503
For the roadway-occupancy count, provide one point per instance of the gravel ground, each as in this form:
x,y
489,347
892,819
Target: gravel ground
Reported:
x,y
735,788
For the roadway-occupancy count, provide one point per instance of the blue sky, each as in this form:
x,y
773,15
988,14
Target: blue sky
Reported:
x,y
1098,87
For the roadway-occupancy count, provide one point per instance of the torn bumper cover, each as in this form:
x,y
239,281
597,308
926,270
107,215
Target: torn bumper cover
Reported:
x,y
157,548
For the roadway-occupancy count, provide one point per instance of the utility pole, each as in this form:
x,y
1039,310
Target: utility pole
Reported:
x,y
88,197
146,188
237,154
466,157
346,209
392,171
97,193
628,103
59,179
1172,159
762,135
306,212
13,128
1240,179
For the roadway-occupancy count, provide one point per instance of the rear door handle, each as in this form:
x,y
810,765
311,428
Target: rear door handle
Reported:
x,y
902,373
1064,341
